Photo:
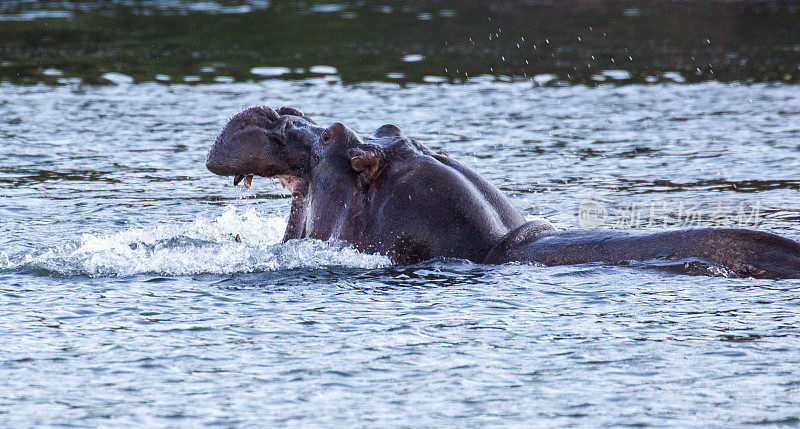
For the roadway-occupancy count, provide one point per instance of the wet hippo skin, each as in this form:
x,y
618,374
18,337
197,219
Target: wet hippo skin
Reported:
x,y
386,193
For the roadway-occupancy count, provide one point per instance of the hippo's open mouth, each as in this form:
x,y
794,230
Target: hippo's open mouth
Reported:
x,y
276,144
248,180
298,187
263,142
291,183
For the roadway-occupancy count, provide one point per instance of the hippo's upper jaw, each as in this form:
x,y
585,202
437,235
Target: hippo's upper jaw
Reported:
x,y
263,142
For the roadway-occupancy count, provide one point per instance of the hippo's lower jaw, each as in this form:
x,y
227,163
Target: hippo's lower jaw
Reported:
x,y
293,183
295,226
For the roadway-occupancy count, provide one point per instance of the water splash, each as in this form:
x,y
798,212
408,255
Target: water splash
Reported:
x,y
4,261
199,247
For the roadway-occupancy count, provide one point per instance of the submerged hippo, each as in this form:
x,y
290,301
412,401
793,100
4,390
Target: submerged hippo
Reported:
x,y
385,193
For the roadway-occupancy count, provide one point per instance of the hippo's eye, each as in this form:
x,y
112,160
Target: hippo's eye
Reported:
x,y
325,138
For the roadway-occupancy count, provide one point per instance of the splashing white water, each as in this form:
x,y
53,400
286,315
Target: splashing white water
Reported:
x,y
202,246
4,261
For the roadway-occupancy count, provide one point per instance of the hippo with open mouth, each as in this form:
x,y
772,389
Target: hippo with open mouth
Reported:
x,y
386,193
382,193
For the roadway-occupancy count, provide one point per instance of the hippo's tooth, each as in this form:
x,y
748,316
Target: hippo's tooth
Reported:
x,y
283,183
237,178
248,181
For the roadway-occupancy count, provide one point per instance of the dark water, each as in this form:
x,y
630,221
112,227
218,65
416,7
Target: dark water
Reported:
x,y
125,300
565,41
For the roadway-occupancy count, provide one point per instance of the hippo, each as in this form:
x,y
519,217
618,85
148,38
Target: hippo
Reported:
x,y
386,193
375,192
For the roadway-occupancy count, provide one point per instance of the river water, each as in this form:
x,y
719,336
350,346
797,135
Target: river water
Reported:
x,y
125,299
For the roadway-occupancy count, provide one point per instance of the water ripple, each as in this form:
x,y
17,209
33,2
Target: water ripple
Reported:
x,y
125,299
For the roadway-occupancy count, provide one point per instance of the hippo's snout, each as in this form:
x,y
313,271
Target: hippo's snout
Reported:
x,y
263,142
239,153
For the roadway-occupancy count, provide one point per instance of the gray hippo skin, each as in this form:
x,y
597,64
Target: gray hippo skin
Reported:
x,y
385,193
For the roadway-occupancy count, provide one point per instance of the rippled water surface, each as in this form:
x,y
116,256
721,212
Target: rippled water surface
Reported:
x,y
126,300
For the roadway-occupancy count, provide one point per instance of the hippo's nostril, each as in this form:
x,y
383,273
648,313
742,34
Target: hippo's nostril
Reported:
x,y
282,124
272,115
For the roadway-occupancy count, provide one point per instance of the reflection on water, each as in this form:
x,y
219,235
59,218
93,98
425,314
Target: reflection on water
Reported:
x,y
548,43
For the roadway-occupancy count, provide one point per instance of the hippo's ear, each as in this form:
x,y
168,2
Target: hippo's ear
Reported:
x,y
365,160
388,130
289,111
